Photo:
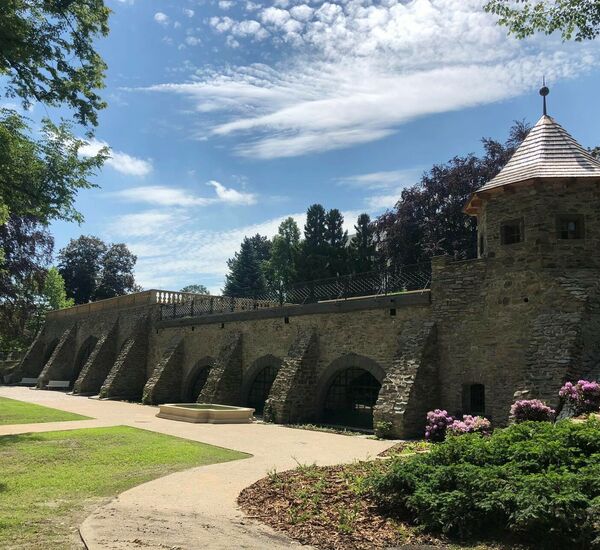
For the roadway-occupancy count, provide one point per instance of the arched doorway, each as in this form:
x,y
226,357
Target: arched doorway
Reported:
x,y
196,380
261,388
348,391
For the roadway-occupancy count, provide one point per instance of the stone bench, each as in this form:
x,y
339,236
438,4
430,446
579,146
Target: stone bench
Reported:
x,y
58,385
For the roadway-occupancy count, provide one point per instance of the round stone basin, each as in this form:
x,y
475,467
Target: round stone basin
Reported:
x,y
206,412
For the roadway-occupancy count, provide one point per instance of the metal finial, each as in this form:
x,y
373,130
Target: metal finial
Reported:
x,y
544,91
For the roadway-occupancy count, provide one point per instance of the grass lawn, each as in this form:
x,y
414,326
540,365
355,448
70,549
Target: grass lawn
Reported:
x,y
19,412
49,482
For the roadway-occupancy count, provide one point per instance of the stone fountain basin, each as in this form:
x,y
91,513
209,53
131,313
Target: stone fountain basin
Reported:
x,y
206,413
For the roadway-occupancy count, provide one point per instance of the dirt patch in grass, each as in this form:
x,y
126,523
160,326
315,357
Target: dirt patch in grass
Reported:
x,y
327,507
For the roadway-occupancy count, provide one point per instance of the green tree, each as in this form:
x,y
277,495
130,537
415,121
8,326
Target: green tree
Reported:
x,y
313,260
245,277
47,53
54,293
195,289
281,269
573,19
80,265
336,240
116,273
362,245
262,247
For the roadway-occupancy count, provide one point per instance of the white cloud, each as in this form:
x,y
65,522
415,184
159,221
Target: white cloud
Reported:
x,y
161,18
382,180
357,70
119,161
188,13
225,4
170,196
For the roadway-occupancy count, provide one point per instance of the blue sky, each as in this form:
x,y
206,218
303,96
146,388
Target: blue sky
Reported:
x,y
226,117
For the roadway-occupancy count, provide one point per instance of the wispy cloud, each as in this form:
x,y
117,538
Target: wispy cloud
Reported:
x,y
356,70
170,196
119,161
162,18
382,180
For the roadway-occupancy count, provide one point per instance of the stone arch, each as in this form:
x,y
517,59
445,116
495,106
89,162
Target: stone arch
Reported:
x,y
83,354
356,380
49,350
196,378
258,380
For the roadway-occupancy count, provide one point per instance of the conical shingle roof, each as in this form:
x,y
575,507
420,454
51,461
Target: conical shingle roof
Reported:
x,y
548,151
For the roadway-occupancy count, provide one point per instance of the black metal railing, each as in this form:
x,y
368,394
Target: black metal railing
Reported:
x,y
383,282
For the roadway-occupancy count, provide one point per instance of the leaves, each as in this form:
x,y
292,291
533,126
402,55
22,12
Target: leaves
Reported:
x,y
574,19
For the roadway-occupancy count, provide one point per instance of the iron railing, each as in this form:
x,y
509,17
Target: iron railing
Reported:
x,y
383,282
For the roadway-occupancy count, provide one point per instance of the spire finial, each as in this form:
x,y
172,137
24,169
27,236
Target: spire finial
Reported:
x,y
544,91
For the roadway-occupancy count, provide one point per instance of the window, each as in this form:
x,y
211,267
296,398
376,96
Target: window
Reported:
x,y
569,227
511,232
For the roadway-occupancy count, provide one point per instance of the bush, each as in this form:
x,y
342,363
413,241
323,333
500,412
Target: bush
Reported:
x,y
437,424
584,396
531,410
470,424
535,481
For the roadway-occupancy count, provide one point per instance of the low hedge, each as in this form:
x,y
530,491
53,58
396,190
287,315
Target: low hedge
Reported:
x,y
537,482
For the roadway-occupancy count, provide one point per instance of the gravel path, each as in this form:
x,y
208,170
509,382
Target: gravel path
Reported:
x,y
196,508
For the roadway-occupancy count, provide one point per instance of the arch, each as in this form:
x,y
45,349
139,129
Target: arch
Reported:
x,y
83,354
258,380
347,391
196,379
473,398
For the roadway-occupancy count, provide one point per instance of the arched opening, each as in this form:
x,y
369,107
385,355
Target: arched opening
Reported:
x,y
196,381
261,387
474,399
85,350
350,398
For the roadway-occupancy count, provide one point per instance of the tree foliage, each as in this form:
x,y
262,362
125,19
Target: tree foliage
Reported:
x,y
336,239
428,219
93,270
245,278
40,176
574,19
281,270
54,292
195,289
362,245
47,53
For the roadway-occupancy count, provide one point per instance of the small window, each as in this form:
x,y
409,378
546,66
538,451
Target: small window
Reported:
x,y
569,227
511,232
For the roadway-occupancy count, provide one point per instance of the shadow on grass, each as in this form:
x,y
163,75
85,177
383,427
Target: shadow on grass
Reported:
x,y
18,438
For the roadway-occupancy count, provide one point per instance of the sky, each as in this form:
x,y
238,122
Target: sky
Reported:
x,y
226,117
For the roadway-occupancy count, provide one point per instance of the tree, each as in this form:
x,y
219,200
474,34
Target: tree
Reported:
x,y
313,261
116,276
27,247
262,247
41,176
245,277
574,19
281,269
362,246
195,289
93,270
47,53
428,219
54,293
336,239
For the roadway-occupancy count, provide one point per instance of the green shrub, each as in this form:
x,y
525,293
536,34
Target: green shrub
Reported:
x,y
535,481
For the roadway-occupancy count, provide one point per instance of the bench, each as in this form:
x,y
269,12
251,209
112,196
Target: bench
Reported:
x,y
58,385
28,382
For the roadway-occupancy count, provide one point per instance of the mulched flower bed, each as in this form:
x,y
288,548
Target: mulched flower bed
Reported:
x,y
327,507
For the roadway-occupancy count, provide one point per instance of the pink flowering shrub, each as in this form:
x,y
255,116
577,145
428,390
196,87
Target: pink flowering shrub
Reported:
x,y
584,396
470,424
531,409
437,424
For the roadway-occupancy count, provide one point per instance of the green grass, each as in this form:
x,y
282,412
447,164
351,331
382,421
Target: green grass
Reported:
x,y
19,412
49,482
